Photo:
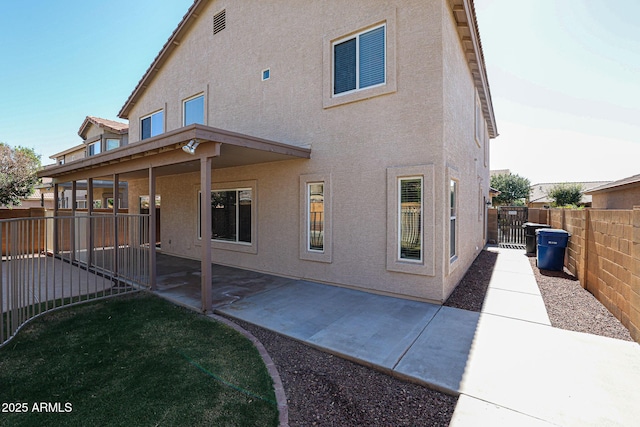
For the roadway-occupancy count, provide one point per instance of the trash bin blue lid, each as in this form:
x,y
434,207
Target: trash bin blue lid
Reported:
x,y
550,231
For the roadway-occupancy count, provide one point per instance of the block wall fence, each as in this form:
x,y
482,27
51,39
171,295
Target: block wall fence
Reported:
x,y
604,254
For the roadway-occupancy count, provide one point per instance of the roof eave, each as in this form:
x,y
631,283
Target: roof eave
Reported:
x,y
465,15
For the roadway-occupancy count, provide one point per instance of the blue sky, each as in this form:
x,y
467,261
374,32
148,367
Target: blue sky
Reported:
x,y
64,60
565,83
563,76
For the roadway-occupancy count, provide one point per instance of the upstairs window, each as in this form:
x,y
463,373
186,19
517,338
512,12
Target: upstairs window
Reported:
x,y
112,144
359,61
193,110
152,125
93,148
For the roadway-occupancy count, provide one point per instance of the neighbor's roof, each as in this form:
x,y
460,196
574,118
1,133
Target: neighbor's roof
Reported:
x,y
111,125
68,151
539,191
466,21
632,180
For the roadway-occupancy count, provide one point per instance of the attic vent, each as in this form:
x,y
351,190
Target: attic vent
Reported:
x,y
219,21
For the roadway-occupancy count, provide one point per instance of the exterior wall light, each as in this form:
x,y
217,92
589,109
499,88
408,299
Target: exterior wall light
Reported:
x,y
191,147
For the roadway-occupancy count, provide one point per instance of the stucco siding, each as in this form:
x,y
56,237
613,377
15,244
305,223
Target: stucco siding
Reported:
x,y
423,118
623,198
464,158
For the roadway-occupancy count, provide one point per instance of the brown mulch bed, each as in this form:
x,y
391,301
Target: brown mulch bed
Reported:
x,y
325,390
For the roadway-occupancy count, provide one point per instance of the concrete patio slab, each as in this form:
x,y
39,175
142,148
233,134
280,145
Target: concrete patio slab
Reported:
x,y
370,328
440,354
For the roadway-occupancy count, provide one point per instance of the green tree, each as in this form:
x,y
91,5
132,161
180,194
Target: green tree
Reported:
x,y
18,173
565,194
514,189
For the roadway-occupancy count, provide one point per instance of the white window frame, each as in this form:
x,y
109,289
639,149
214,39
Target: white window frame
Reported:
x,y
479,122
107,140
93,145
454,187
368,19
425,266
305,252
399,215
237,214
244,247
308,198
356,36
151,116
184,108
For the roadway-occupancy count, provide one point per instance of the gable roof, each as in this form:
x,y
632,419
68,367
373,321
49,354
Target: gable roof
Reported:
x,y
539,191
174,41
464,13
110,125
632,180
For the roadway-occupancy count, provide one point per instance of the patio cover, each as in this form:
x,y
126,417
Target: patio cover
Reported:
x,y
163,155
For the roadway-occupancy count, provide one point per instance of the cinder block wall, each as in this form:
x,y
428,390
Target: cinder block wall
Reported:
x,y
610,264
575,255
604,254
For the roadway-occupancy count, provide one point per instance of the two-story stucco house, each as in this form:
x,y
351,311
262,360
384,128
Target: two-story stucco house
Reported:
x,y
98,135
344,142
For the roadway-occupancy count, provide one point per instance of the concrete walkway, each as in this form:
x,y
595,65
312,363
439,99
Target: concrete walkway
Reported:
x,y
507,364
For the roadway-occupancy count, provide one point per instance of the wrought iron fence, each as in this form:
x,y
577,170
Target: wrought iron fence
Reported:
x,y
52,262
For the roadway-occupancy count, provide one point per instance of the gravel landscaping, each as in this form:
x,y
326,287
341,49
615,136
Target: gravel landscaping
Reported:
x,y
572,307
325,390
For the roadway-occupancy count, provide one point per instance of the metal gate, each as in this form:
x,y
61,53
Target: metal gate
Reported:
x,y
510,222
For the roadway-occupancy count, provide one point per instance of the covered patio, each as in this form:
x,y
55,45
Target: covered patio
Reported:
x,y
180,280
192,149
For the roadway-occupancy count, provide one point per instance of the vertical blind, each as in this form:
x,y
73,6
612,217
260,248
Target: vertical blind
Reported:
x,y
372,58
411,218
359,62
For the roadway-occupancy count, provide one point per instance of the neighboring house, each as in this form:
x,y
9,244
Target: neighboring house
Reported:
x,y
70,154
621,194
41,198
539,198
339,142
98,136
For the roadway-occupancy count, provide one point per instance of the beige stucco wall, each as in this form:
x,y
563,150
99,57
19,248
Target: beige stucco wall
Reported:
x,y
623,198
424,119
465,159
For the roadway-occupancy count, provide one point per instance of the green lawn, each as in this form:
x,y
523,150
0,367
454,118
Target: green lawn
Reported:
x,y
133,361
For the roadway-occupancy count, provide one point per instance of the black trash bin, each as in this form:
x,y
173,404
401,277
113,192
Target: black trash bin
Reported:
x,y
530,235
551,246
